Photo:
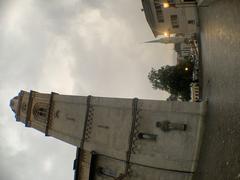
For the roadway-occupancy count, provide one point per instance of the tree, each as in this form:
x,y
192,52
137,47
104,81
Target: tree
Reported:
x,y
174,79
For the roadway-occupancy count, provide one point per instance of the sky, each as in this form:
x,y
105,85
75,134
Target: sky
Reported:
x,y
75,47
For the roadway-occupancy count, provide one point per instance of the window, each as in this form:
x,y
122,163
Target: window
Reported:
x,y
191,22
24,107
40,112
174,21
147,136
159,11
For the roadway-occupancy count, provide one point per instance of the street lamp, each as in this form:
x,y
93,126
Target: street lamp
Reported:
x,y
166,5
166,34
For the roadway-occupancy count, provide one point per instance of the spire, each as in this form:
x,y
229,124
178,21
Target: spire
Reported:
x,y
168,40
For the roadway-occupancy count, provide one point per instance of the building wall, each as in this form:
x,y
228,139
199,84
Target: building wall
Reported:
x,y
180,18
89,166
112,167
67,121
183,51
156,134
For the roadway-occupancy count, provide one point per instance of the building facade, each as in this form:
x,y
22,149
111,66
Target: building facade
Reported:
x,y
171,17
195,92
119,138
183,51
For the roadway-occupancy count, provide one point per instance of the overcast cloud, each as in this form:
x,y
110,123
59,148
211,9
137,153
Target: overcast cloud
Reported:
x,y
72,47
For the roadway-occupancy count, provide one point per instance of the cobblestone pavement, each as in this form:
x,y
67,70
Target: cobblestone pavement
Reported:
x,y
220,43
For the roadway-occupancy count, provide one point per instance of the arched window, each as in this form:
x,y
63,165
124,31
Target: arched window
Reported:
x,y
40,111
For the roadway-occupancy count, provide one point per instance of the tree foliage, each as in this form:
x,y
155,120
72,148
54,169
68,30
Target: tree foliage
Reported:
x,y
174,79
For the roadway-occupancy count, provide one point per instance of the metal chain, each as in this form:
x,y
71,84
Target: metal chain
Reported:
x,y
132,139
136,131
89,123
86,121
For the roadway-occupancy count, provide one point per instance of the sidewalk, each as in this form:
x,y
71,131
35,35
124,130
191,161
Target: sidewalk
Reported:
x,y
220,152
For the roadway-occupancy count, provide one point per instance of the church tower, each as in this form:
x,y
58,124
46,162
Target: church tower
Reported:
x,y
119,138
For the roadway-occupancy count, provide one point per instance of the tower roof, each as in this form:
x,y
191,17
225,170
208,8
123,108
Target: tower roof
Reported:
x,y
14,104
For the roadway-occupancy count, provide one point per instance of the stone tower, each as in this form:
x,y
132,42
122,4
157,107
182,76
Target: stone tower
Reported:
x,y
119,138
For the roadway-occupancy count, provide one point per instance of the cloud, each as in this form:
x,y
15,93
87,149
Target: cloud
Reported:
x,y
71,47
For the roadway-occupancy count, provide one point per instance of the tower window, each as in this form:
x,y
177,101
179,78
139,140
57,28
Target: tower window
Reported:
x,y
24,107
40,112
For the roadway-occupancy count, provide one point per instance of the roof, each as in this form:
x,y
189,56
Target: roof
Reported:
x,y
147,8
